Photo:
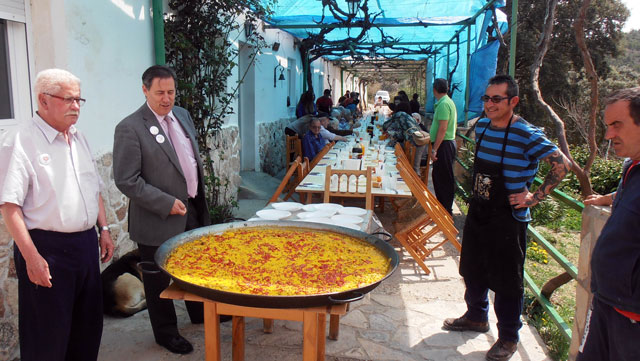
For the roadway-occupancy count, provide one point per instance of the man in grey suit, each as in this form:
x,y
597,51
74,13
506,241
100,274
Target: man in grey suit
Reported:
x,y
156,164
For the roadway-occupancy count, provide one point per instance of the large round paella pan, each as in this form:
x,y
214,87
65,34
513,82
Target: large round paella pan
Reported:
x,y
174,245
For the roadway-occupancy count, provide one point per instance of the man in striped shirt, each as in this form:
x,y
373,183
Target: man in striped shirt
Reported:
x,y
508,150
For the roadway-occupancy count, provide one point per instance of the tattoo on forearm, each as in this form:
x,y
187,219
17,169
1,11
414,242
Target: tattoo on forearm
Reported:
x,y
559,168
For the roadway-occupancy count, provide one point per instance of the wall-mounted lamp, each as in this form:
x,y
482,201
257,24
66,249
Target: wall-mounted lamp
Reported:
x,y
275,71
353,6
248,29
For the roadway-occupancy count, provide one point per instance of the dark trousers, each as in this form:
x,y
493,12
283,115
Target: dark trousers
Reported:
x,y
610,336
63,322
442,174
508,310
162,313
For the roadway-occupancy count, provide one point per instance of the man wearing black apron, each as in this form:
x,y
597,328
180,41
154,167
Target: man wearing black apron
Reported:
x,y
508,150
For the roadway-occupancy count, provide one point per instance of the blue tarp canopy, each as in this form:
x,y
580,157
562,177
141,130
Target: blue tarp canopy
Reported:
x,y
449,34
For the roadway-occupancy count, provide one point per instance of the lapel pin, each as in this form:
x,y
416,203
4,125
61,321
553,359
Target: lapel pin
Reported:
x,y
154,130
160,138
44,159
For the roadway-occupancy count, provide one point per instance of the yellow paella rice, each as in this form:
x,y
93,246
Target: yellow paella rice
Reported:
x,y
283,261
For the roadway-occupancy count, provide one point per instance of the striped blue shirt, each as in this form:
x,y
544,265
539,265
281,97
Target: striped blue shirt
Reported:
x,y
526,146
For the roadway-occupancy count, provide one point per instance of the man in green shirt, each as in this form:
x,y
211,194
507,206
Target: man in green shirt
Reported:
x,y
443,153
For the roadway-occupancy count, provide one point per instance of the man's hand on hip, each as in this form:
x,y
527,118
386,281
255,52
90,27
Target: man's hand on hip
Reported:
x,y
178,208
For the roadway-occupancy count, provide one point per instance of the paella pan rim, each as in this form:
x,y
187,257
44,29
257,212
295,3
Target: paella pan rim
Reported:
x,y
274,301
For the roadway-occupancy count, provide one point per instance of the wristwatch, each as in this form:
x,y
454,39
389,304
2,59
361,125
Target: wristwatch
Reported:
x,y
105,228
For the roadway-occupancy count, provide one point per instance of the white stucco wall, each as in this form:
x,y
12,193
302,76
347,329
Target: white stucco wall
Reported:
x,y
109,45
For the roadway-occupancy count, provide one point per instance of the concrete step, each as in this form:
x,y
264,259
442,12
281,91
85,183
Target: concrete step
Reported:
x,y
257,185
254,192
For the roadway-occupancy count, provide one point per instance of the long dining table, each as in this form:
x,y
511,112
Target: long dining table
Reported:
x,y
377,154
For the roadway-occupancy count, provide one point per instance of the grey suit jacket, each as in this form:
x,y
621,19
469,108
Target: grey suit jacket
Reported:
x,y
149,173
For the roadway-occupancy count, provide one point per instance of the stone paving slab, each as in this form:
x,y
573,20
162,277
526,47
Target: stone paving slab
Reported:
x,y
400,320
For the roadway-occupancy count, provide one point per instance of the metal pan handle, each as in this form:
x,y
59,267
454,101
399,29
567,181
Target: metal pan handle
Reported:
x,y
148,267
388,236
233,219
339,301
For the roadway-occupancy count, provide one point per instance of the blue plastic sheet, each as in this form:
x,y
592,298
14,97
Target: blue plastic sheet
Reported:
x,y
422,23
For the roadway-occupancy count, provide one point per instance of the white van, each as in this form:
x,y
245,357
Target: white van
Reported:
x,y
384,94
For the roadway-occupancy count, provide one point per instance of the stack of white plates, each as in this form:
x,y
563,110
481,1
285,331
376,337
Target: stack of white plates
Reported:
x,y
286,206
353,211
316,214
272,214
327,207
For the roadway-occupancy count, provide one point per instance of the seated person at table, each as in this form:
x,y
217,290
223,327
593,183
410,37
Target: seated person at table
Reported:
x,y
306,104
313,142
334,127
327,135
401,127
353,104
299,126
324,103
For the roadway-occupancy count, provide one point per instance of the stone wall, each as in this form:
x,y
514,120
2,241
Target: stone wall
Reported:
x,y
225,153
593,220
271,146
8,298
226,159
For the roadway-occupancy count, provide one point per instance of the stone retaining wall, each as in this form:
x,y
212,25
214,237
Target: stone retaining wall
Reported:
x,y
271,146
226,149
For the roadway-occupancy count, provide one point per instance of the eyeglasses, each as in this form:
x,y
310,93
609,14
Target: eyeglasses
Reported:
x,y
69,101
494,99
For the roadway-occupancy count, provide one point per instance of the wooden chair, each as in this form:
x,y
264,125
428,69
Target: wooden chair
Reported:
x,y
410,153
285,181
344,186
302,169
436,220
321,154
293,146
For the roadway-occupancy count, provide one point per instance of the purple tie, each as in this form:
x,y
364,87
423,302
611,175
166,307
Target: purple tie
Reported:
x,y
184,151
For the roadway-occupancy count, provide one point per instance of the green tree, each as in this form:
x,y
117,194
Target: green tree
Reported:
x,y
200,37
603,28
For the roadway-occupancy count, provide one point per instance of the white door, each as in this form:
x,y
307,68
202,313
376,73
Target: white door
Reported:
x,y
246,111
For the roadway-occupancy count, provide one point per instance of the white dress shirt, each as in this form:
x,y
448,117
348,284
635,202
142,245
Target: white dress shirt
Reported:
x,y
327,134
184,146
54,182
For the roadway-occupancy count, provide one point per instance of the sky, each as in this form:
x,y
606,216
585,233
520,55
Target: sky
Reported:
x,y
633,22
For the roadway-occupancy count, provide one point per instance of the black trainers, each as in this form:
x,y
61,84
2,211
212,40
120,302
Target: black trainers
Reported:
x,y
464,324
502,350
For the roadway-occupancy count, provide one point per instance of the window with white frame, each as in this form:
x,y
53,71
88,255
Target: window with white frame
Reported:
x,y
6,105
15,85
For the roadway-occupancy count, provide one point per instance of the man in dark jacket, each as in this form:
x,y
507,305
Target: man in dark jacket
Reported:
x,y
613,323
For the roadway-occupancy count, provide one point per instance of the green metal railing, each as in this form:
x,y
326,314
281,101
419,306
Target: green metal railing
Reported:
x,y
564,200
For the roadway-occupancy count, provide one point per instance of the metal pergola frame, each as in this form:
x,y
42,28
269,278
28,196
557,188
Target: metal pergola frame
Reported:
x,y
439,48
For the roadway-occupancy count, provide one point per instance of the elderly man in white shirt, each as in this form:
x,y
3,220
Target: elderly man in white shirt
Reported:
x,y
50,201
329,136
